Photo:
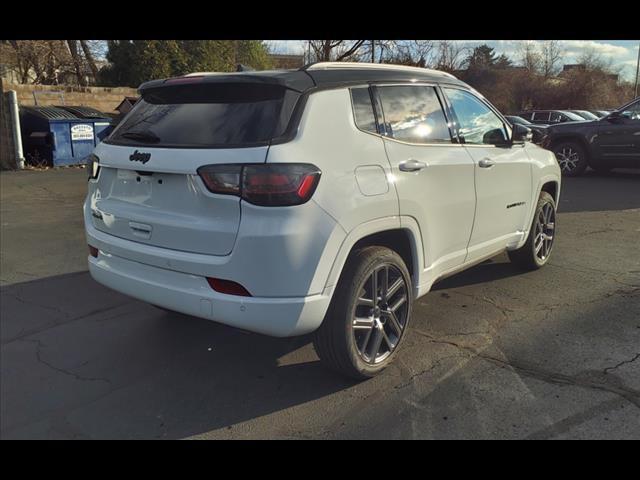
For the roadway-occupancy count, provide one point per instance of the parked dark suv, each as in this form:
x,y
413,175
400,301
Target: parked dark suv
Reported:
x,y
550,117
609,142
538,131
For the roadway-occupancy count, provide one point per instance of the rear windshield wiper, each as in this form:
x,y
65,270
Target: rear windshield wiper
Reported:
x,y
146,136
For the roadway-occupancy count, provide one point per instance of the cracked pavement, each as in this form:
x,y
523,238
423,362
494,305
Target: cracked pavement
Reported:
x,y
491,352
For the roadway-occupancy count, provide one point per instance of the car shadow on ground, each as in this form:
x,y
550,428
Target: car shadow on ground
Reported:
x,y
493,269
112,367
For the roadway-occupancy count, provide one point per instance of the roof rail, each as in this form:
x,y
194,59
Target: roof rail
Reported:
x,y
372,66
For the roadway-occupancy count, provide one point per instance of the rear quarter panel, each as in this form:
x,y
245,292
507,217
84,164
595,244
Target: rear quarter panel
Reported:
x,y
328,138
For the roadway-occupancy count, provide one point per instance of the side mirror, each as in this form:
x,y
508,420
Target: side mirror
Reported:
x,y
614,117
521,134
496,137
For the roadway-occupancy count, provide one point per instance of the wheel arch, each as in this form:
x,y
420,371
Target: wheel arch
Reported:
x,y
386,232
552,187
571,137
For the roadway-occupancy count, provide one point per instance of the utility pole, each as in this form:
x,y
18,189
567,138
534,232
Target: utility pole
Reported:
x,y
373,55
637,71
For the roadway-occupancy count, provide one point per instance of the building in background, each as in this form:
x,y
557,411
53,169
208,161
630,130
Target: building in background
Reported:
x,y
287,61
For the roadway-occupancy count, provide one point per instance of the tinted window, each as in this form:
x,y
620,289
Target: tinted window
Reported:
x,y
413,114
541,116
567,117
363,110
632,111
477,122
207,116
586,115
557,117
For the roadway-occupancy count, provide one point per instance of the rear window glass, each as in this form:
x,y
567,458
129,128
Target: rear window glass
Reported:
x,y
207,115
363,110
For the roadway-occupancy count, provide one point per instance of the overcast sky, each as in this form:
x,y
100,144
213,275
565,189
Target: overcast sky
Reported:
x,y
622,53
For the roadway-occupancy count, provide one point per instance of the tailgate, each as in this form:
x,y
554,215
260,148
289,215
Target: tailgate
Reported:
x,y
163,202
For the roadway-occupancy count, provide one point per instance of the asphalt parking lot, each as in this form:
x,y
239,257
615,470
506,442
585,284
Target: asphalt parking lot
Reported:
x,y
492,352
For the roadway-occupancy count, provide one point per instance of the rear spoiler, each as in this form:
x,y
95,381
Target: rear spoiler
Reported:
x,y
298,82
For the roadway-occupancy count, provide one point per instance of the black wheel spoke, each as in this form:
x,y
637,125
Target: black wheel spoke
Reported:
x,y
395,287
366,302
365,342
363,323
395,324
376,343
374,288
385,283
398,304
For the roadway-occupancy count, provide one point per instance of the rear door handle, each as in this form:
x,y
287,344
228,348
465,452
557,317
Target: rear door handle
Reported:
x,y
411,166
486,163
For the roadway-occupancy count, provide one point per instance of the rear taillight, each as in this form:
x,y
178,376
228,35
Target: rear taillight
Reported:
x,y
93,251
275,184
227,287
223,179
93,166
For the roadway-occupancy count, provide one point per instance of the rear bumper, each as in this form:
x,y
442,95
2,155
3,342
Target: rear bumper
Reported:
x,y
191,295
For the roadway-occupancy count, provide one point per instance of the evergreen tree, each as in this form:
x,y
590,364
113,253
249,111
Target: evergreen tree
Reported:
x,y
132,62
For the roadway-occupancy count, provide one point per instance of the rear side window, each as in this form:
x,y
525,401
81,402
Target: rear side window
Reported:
x,y
208,115
413,114
363,110
541,116
556,117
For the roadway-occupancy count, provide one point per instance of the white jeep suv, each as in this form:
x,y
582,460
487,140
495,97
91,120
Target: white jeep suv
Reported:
x,y
323,199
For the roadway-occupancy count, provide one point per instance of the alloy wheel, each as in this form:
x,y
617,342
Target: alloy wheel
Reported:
x,y
380,315
568,159
544,232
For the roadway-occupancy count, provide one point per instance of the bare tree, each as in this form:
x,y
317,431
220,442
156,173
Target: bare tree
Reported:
x,y
335,50
550,57
89,57
77,61
418,53
50,61
374,51
449,55
36,61
529,56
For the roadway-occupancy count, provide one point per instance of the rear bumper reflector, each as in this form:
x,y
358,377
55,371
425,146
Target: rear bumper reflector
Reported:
x,y
228,287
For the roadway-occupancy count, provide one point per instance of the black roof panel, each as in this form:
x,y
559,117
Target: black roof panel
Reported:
x,y
311,76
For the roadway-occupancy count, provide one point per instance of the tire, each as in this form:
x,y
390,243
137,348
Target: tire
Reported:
x,y
544,220
347,345
572,158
